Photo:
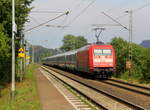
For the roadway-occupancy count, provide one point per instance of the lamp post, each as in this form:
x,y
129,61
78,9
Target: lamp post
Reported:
x,y
13,49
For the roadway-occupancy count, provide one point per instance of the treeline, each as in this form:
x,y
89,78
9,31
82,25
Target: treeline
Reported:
x,y
140,60
21,13
71,42
41,52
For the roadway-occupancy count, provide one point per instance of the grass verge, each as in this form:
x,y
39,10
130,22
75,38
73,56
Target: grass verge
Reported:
x,y
26,94
125,78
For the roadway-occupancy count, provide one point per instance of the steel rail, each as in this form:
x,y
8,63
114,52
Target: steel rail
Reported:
x,y
134,85
128,88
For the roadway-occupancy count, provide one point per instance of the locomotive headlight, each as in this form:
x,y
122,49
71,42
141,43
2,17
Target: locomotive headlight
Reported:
x,y
97,60
109,60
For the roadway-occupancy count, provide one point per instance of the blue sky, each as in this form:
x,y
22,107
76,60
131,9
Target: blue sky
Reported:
x,y
51,37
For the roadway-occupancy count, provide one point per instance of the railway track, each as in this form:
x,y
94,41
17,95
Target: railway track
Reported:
x,y
131,87
101,89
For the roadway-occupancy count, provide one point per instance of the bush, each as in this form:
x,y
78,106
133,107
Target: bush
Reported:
x,y
5,57
140,60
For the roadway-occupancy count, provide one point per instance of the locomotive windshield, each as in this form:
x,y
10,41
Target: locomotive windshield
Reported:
x,y
98,52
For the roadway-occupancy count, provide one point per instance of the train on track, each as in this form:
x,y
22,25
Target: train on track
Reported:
x,y
94,59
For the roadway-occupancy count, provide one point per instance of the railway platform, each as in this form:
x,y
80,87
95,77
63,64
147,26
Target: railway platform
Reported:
x,y
50,97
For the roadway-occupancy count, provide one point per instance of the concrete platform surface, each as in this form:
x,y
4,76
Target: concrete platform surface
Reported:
x,y
50,97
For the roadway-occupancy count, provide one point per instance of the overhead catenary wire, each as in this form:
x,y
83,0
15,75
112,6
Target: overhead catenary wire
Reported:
x,y
77,6
122,16
34,19
70,11
140,8
58,16
62,25
135,10
82,12
115,21
47,21
63,22
114,8
110,21
68,25
46,12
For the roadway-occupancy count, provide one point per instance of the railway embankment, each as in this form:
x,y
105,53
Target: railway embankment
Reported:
x,y
26,97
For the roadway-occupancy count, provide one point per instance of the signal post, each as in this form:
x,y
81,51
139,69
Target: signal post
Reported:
x,y
21,55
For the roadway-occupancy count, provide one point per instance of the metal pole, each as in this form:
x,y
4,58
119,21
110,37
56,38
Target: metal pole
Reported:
x,y
21,65
25,55
32,54
24,44
131,34
130,42
13,50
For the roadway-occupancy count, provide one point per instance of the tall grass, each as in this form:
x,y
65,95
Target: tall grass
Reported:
x,y
26,97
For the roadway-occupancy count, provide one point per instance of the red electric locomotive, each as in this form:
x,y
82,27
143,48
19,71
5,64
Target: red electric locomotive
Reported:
x,y
96,60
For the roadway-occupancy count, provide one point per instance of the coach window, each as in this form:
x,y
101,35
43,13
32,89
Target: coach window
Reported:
x,y
98,52
74,57
107,51
69,57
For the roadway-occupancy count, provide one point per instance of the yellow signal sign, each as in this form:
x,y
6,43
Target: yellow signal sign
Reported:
x,y
21,55
21,50
27,57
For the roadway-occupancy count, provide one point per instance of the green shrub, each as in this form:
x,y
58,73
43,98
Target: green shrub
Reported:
x,y
140,60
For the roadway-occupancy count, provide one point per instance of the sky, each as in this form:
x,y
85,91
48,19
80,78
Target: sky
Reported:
x,y
83,14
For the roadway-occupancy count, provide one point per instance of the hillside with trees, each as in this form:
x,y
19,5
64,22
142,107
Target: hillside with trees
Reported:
x,y
41,52
145,43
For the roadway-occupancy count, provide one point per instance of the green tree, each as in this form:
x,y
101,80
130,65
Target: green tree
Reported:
x,y
140,60
71,42
21,13
4,57
80,42
121,51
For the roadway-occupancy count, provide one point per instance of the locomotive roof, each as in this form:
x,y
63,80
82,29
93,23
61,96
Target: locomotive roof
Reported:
x,y
67,53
